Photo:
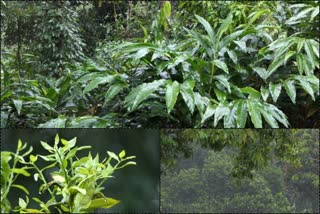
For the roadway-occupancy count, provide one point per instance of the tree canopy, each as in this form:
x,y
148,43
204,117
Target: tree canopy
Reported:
x,y
225,179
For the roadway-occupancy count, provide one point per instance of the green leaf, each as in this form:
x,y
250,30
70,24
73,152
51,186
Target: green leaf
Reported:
x,y
231,116
288,56
278,114
314,13
227,39
56,140
241,116
20,187
220,94
307,87
202,40
300,43
59,179
140,93
172,91
113,91
129,163
309,50
201,103
223,28
221,65
208,27
19,144
277,62
72,142
264,93
313,80
78,189
18,105
221,110
254,113
208,113
103,203
186,90
22,203
32,211
268,116
315,47
290,89
113,155
307,65
141,53
242,45
54,123
256,15
251,91
300,63
21,171
166,9
46,146
233,56
97,81
122,154
275,90
224,81
262,72
33,158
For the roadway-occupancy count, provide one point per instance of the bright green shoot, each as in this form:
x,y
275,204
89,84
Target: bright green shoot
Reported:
x,y
75,185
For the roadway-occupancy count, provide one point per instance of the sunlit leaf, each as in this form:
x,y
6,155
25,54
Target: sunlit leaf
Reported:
x,y
275,90
290,89
172,92
21,171
21,187
221,65
254,113
113,155
231,116
221,110
224,81
208,28
54,123
264,93
113,91
241,116
122,154
186,90
18,105
103,203
46,146
208,113
97,81
140,93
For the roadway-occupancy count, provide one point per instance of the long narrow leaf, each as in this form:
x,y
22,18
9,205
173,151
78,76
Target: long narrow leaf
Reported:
x,y
241,117
254,113
113,91
290,89
186,90
275,90
140,93
208,28
172,92
208,113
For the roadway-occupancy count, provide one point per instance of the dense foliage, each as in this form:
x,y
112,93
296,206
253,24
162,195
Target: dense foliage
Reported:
x,y
75,185
203,182
159,64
